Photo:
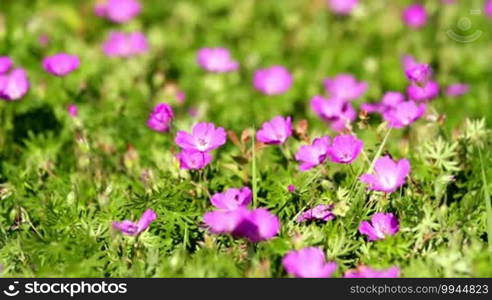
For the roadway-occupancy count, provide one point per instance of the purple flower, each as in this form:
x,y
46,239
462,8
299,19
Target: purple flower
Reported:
x,y
308,263
336,111
388,175
342,7
457,89
255,225
381,226
419,73
72,110
203,137
426,92
61,64
14,85
216,60
5,64
190,159
345,87
275,80
389,100
320,212
344,149
118,11
130,228
367,272
120,44
488,8
276,131
313,155
404,114
415,16
291,188
161,117
232,198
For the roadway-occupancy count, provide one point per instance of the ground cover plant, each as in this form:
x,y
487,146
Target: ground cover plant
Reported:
x,y
246,138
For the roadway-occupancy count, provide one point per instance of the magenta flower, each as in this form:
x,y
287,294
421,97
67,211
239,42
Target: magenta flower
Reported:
x,y
275,80
404,114
255,225
457,89
120,44
320,212
388,175
190,159
118,11
381,226
232,198
419,73
216,60
313,155
203,137
291,188
5,64
14,85
415,16
342,7
336,111
367,272
73,110
130,228
345,87
389,100
488,8
161,117
308,263
426,92
275,131
344,149
61,64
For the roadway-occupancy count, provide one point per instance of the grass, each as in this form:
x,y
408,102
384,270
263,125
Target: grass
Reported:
x,y
64,180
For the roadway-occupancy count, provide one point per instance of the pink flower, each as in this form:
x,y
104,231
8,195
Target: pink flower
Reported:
x,y
118,11
190,159
342,7
255,225
14,85
344,149
291,188
389,100
232,198
488,8
457,89
180,96
216,60
120,44
381,226
388,176
204,137
426,92
313,155
404,114
61,64
5,64
72,110
320,212
345,87
336,111
308,263
276,131
367,272
415,16
275,80
161,117
130,228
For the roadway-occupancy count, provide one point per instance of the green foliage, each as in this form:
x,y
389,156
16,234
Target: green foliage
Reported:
x,y
64,180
